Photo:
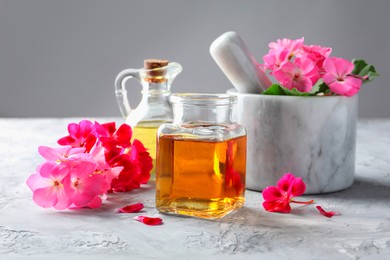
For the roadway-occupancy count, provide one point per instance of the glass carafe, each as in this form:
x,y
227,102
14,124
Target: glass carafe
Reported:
x,y
154,109
201,158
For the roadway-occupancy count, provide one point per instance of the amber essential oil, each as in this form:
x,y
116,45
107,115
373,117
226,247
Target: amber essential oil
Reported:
x,y
200,178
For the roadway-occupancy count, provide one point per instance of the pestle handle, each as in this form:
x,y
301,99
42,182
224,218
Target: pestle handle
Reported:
x,y
238,64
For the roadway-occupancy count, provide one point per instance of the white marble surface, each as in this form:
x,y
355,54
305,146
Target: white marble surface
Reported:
x,y
30,232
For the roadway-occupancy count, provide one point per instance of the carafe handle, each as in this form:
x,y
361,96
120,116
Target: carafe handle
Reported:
x,y
120,89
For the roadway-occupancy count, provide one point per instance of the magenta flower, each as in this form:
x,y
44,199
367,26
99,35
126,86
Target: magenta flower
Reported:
x,y
302,74
338,76
278,198
80,135
47,184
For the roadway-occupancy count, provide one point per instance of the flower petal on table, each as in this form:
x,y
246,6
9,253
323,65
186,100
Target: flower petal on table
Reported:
x,y
134,208
327,214
149,221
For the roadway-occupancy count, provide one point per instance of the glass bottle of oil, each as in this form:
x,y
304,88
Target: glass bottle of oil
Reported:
x,y
154,109
201,158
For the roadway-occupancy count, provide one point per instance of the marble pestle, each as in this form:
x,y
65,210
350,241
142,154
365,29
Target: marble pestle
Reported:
x,y
238,64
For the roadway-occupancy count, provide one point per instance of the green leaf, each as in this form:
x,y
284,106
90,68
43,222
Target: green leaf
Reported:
x,y
278,90
366,71
319,87
275,89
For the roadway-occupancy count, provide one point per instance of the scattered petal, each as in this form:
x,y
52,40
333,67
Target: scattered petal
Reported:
x,y
134,208
327,214
149,221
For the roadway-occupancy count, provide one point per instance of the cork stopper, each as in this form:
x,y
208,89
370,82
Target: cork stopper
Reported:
x,y
155,75
154,63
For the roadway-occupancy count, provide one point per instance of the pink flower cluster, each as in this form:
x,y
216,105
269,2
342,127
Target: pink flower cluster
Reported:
x,y
296,65
94,159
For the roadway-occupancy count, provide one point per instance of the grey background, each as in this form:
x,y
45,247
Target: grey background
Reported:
x,y
60,58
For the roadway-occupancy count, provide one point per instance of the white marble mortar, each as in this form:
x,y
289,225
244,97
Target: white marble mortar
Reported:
x,y
312,137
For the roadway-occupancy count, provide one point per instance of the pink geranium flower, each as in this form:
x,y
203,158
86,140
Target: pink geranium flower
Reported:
x,y
83,186
80,135
102,167
94,159
302,74
278,198
338,76
280,53
275,59
292,46
47,184
61,154
316,53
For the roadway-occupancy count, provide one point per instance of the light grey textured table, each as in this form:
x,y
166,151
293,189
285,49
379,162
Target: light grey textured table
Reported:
x,y
362,232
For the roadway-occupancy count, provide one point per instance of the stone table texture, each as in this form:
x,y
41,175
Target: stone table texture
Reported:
x,y
30,232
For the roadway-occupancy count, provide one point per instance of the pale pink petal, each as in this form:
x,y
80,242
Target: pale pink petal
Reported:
x,y
94,185
46,169
303,84
285,75
354,84
112,173
63,200
59,172
83,168
269,61
76,151
35,181
85,190
343,67
330,68
329,78
49,153
45,197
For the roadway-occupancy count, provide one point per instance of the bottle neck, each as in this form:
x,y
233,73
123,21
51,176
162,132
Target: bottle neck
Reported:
x,y
156,88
